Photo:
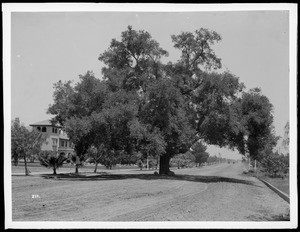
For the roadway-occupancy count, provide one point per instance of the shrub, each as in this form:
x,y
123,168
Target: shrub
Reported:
x,y
50,159
140,164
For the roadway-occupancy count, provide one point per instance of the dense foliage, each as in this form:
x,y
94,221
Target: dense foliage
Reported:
x,y
275,164
183,160
144,106
254,113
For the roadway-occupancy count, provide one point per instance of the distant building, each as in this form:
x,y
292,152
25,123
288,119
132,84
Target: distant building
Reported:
x,y
55,138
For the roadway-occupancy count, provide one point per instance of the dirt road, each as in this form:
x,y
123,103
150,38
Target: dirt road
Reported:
x,y
213,193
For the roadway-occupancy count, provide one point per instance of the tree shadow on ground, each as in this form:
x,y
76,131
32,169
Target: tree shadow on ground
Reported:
x,y
105,176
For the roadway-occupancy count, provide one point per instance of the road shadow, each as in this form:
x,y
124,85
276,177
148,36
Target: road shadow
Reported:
x,y
106,176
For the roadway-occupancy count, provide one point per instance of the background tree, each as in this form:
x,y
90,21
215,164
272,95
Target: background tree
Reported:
x,y
50,159
183,160
275,163
190,159
79,132
24,143
15,127
73,107
95,155
212,159
255,120
286,136
110,158
199,151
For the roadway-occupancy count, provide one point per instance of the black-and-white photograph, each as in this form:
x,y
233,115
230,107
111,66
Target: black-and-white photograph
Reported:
x,y
150,115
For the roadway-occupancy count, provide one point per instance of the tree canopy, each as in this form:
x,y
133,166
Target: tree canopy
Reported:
x,y
144,106
253,120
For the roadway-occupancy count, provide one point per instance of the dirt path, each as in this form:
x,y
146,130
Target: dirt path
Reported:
x,y
206,194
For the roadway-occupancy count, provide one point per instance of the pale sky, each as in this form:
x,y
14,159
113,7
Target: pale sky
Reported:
x,y
53,46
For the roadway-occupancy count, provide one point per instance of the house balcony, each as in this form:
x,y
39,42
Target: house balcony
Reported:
x,y
61,149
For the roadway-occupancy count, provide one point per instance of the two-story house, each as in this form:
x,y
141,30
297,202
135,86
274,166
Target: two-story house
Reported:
x,y
55,138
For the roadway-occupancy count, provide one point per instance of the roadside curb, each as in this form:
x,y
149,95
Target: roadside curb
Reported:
x,y
276,190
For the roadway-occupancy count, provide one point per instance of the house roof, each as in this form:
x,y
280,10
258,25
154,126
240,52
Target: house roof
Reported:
x,y
43,123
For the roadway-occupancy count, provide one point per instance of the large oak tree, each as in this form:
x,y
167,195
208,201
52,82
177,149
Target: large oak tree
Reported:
x,y
144,106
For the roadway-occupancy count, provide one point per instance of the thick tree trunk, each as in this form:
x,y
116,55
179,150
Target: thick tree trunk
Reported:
x,y
96,167
54,171
164,164
76,169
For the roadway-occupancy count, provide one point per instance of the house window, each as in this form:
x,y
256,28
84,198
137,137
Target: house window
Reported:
x,y
44,129
63,143
54,130
38,128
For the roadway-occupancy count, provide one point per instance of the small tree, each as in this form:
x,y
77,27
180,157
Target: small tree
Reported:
x,y
110,159
190,159
96,155
24,143
78,161
50,159
199,151
140,164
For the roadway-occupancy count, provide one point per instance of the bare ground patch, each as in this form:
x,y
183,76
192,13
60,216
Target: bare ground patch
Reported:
x,y
188,196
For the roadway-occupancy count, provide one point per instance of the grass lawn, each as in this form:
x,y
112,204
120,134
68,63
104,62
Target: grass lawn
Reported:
x,y
278,182
36,167
281,184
